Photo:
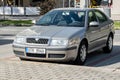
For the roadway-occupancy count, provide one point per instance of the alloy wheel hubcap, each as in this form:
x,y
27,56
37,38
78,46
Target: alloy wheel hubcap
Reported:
x,y
110,43
83,53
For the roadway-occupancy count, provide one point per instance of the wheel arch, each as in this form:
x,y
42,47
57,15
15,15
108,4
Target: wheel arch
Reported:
x,y
111,34
85,41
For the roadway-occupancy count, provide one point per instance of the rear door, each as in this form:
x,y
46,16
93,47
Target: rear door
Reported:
x,y
104,26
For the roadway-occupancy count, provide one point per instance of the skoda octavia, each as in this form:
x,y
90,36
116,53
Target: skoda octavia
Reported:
x,y
66,34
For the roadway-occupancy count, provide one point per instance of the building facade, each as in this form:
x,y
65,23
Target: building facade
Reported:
x,y
59,3
27,3
19,3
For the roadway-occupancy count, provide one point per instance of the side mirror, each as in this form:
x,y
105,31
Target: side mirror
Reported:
x,y
93,24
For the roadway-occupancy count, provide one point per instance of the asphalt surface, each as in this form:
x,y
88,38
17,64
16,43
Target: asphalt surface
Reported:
x,y
99,66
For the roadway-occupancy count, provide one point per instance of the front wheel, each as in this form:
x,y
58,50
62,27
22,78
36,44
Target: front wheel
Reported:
x,y
82,54
109,45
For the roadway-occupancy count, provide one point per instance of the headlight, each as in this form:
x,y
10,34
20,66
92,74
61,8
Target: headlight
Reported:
x,y
59,42
73,42
19,40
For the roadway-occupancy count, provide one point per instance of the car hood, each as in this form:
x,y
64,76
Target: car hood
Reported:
x,y
50,31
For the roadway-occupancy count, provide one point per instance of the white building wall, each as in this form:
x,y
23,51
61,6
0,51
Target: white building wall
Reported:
x,y
115,9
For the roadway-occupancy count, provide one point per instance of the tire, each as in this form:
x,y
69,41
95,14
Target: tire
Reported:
x,y
109,45
82,54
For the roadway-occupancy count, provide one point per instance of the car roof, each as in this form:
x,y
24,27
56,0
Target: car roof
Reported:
x,y
83,9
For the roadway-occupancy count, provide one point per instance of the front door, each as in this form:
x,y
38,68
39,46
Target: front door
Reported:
x,y
93,33
104,26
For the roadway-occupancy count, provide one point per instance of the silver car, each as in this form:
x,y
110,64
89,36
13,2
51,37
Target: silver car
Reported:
x,y
66,34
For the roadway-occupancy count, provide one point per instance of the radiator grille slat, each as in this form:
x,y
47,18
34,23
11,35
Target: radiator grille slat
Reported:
x,y
37,41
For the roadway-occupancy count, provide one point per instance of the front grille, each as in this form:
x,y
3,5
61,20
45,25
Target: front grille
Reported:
x,y
36,55
37,41
56,55
19,53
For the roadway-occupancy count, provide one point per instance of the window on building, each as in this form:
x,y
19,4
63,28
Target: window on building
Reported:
x,y
97,3
77,3
18,3
10,2
106,2
37,0
69,3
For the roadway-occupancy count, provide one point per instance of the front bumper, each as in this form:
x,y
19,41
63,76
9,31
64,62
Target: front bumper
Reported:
x,y
52,53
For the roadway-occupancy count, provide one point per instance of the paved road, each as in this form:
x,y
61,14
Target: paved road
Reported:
x,y
7,35
99,66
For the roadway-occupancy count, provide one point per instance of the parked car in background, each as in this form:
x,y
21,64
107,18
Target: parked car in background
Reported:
x,y
66,34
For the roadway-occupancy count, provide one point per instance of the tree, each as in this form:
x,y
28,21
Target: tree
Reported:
x,y
46,6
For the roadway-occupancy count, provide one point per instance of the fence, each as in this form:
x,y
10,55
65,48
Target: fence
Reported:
x,y
19,10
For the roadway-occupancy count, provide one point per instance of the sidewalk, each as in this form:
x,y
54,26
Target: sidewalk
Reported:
x,y
115,16
24,70
20,17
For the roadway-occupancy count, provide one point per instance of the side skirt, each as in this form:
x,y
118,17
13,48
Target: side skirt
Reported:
x,y
97,48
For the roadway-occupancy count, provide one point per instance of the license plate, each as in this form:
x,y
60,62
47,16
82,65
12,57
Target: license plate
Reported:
x,y
35,50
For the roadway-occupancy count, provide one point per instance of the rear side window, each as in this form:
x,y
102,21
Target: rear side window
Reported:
x,y
101,17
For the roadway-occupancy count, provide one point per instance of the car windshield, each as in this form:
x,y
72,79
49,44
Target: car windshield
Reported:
x,y
68,18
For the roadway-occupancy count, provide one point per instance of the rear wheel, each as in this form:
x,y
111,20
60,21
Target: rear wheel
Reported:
x,y
109,45
82,54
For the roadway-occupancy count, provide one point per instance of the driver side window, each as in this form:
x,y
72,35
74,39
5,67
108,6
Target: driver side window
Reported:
x,y
91,17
